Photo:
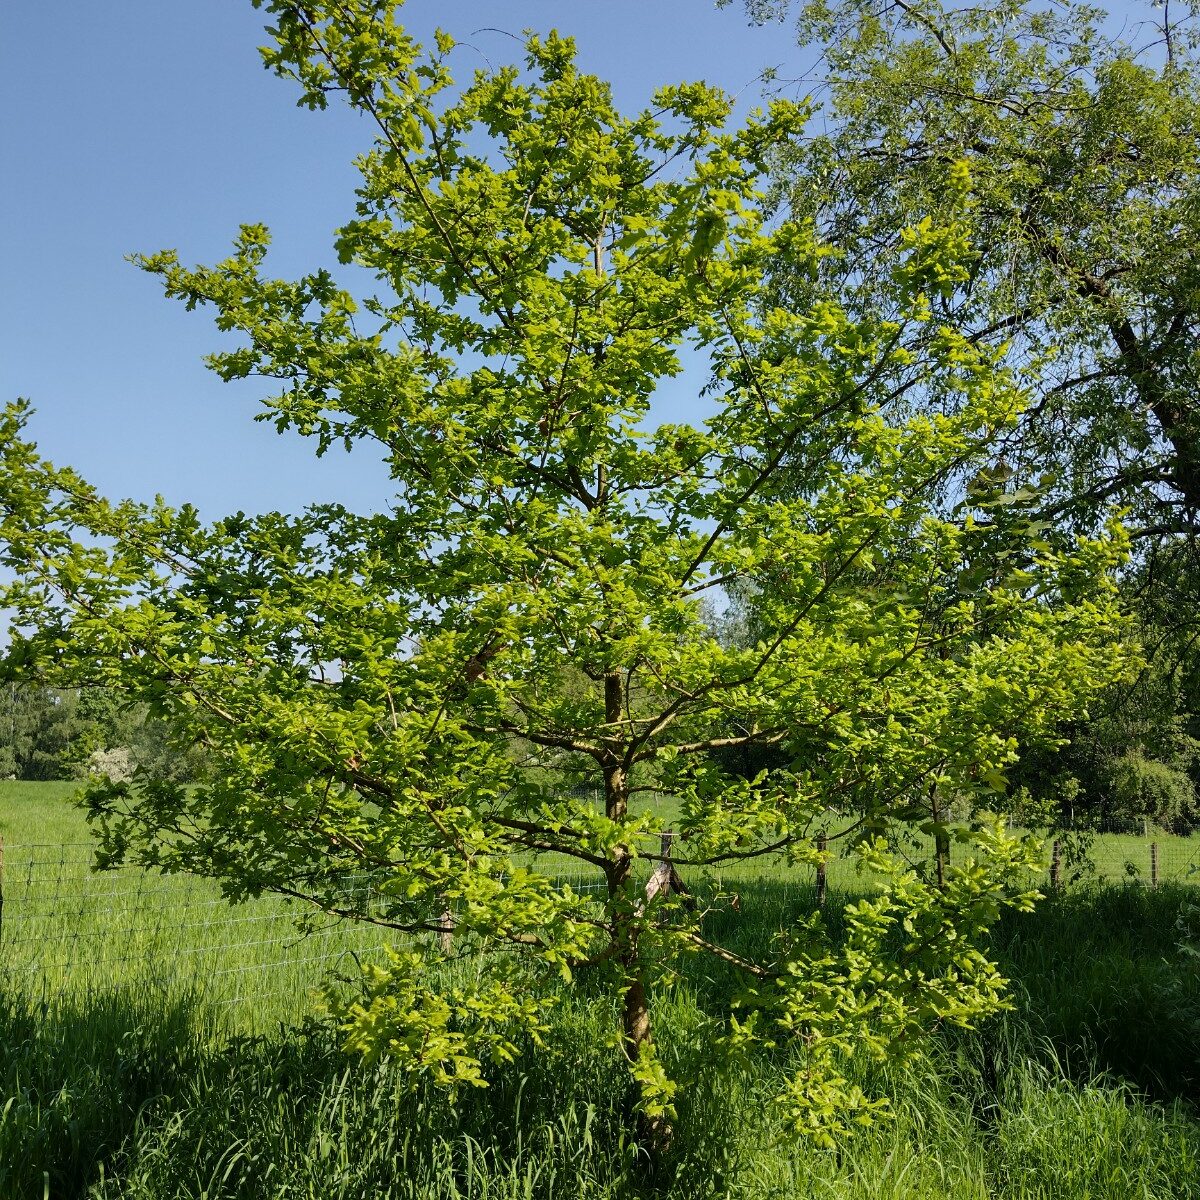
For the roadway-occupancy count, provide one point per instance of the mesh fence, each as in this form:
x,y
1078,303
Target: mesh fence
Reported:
x,y
1123,852
68,930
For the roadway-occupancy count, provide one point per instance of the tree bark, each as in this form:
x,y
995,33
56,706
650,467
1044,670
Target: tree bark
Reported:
x,y
627,907
941,841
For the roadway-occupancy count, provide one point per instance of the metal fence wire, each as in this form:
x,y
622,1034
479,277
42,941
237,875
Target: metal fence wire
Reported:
x,y
68,930
1123,852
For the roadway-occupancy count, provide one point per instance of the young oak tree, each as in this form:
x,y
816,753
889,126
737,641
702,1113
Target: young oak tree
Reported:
x,y
417,694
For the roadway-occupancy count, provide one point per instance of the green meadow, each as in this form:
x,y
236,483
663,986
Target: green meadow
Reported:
x,y
155,1042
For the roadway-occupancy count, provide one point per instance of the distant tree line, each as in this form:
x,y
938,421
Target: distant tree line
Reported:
x,y
49,733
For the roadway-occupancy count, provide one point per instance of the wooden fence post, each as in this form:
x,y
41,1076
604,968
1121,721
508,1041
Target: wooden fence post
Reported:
x,y
1154,864
1056,865
822,845
446,932
665,877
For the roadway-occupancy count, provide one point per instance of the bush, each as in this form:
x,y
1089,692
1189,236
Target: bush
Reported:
x,y
1164,794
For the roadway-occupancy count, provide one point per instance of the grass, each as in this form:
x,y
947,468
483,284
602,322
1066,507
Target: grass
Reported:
x,y
40,814
121,1081
67,932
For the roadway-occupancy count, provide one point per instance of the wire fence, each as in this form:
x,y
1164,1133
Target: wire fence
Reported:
x,y
67,930
1123,852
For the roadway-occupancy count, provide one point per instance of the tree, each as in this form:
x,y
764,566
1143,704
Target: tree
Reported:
x,y
1134,759
1085,158
420,694
54,733
1084,154
38,726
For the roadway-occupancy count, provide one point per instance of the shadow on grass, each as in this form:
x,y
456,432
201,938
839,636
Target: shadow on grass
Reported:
x,y
74,1077
124,1094
130,1096
1096,974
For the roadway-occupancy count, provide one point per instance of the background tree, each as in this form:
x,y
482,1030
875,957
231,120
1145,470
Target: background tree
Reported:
x,y
418,694
55,733
1135,760
39,729
1083,150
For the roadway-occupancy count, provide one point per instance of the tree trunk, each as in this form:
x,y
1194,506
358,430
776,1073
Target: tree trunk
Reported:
x,y
627,907
941,841
653,1132
666,879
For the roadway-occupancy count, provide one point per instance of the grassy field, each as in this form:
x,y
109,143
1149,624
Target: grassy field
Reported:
x,y
40,814
68,931
129,1072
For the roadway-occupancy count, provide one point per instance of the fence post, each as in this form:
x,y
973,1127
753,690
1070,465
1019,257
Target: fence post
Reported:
x,y
1,887
1154,864
446,932
822,844
666,878
1056,865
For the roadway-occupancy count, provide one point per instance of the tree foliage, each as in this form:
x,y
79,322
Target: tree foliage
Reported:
x,y
422,694
1084,152
1083,148
56,733
37,728
1136,759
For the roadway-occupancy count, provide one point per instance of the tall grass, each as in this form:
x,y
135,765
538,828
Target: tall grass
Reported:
x,y
74,1078
114,1087
1098,974
287,1117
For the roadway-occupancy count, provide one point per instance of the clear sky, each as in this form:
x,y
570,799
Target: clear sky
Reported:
x,y
136,125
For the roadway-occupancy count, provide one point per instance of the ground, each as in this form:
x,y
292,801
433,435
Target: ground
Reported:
x,y
165,1055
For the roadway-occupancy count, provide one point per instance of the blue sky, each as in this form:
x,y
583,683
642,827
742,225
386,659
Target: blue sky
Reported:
x,y
137,125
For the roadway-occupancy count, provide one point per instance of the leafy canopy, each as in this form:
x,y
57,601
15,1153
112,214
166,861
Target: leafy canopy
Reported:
x,y
420,697
1082,139
1085,165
